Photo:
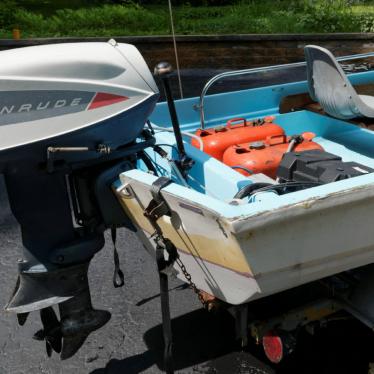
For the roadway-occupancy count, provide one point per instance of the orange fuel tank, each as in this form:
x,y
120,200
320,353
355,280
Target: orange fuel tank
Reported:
x,y
265,156
237,130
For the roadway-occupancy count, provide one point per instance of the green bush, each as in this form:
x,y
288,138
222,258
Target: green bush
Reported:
x,y
131,18
107,20
7,14
180,2
365,22
326,16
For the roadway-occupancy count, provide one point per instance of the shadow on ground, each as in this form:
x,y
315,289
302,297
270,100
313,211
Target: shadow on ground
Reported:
x,y
203,342
198,336
341,347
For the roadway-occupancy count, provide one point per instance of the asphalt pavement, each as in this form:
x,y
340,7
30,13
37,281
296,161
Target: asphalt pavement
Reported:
x,y
132,340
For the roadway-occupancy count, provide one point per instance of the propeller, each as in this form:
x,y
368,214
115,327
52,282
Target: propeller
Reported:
x,y
78,320
22,317
51,332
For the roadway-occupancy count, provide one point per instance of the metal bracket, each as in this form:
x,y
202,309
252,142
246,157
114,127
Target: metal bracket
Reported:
x,y
101,148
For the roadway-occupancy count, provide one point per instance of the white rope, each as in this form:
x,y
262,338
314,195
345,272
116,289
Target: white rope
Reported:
x,y
175,49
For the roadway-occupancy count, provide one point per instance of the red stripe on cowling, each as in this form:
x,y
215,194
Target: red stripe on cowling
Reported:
x,y
104,99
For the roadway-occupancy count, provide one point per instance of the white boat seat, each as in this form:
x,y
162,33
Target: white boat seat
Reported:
x,y
329,86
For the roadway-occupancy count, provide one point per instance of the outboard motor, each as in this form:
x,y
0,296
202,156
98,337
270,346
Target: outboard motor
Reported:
x,y
71,120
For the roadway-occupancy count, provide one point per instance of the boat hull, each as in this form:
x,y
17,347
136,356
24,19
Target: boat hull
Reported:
x,y
243,258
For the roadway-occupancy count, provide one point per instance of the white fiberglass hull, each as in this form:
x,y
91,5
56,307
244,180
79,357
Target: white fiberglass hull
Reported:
x,y
242,258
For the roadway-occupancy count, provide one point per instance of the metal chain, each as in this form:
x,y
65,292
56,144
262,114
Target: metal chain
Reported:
x,y
156,209
159,238
188,277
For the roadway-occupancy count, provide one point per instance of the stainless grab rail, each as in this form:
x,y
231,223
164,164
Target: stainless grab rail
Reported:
x,y
234,73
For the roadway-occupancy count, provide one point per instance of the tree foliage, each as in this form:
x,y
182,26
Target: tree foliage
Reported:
x,y
42,18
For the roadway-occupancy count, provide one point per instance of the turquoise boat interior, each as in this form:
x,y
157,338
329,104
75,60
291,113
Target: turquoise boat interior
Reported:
x,y
213,184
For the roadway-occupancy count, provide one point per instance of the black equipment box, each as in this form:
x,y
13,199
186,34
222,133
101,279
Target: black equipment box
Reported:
x,y
318,166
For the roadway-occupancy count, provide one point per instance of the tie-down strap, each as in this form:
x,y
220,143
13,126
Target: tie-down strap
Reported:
x,y
157,208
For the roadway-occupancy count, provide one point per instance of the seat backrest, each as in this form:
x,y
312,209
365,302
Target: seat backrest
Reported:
x,y
329,85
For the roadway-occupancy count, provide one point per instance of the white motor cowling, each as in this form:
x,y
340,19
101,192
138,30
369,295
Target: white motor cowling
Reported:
x,y
103,90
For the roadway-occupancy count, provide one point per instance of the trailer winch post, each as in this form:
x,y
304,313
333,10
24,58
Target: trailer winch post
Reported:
x,y
240,314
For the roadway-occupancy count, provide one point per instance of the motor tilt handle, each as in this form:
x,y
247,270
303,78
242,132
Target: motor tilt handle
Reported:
x,y
163,70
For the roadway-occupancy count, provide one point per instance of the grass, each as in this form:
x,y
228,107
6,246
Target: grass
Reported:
x,y
250,16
